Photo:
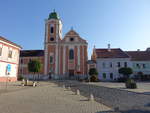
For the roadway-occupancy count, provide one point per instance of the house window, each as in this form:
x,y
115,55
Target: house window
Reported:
x,y
71,54
111,64
138,65
125,64
52,29
10,54
104,65
0,51
111,75
144,66
118,64
104,75
51,59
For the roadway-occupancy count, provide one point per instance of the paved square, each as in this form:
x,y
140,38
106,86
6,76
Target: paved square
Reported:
x,y
47,98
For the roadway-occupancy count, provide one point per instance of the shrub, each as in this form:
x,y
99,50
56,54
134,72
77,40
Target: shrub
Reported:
x,y
121,79
93,71
126,71
131,84
20,77
93,78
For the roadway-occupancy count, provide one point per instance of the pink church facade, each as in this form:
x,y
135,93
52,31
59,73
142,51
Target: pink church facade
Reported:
x,y
63,56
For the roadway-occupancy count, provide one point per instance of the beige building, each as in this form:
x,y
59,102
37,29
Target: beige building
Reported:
x,y
9,60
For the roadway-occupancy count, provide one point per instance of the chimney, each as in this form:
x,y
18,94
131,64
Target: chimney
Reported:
x,y
109,47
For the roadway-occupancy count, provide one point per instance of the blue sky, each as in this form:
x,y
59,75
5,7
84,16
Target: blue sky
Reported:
x,y
122,23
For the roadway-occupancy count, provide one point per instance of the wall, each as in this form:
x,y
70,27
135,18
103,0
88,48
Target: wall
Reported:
x,y
108,69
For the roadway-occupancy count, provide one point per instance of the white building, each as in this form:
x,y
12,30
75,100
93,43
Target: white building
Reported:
x,y
9,60
140,61
108,61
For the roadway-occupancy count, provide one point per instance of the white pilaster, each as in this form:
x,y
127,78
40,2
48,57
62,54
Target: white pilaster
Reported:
x,y
46,49
79,57
64,59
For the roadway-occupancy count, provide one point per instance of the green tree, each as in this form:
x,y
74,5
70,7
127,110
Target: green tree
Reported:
x,y
34,66
126,72
93,71
93,74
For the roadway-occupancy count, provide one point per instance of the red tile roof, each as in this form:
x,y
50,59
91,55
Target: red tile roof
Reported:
x,y
31,53
112,53
139,55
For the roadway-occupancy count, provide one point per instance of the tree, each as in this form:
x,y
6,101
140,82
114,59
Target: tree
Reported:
x,y
93,71
34,66
126,72
93,74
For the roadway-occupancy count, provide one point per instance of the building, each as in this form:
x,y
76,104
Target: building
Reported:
x,y
28,55
140,61
9,60
109,61
63,56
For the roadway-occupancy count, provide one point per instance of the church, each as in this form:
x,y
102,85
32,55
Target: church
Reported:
x,y
62,56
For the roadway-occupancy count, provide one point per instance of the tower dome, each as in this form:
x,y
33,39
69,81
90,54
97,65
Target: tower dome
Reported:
x,y
53,15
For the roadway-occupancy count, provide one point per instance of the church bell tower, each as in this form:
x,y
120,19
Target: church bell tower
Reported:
x,y
53,35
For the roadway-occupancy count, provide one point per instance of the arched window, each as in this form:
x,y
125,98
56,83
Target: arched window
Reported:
x,y
71,54
52,29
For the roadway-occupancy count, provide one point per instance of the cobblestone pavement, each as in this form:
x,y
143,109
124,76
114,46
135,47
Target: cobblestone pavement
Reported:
x,y
128,102
48,98
143,87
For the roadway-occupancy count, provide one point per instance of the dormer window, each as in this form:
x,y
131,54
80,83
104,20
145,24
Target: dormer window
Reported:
x,y
71,39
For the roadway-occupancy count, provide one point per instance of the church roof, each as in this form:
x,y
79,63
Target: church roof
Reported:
x,y
53,15
31,53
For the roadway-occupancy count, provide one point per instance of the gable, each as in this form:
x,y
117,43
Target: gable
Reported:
x,y
73,37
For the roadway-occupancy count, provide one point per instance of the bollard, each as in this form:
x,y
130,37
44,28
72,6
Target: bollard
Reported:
x,y
69,88
63,87
23,84
91,97
78,92
34,84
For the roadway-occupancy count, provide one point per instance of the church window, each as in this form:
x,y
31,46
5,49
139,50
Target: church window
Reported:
x,y
51,39
52,29
71,54
51,59
71,39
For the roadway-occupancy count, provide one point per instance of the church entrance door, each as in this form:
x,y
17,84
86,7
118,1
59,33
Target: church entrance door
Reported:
x,y
71,73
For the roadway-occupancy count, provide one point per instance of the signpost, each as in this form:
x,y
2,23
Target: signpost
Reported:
x,y
8,70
